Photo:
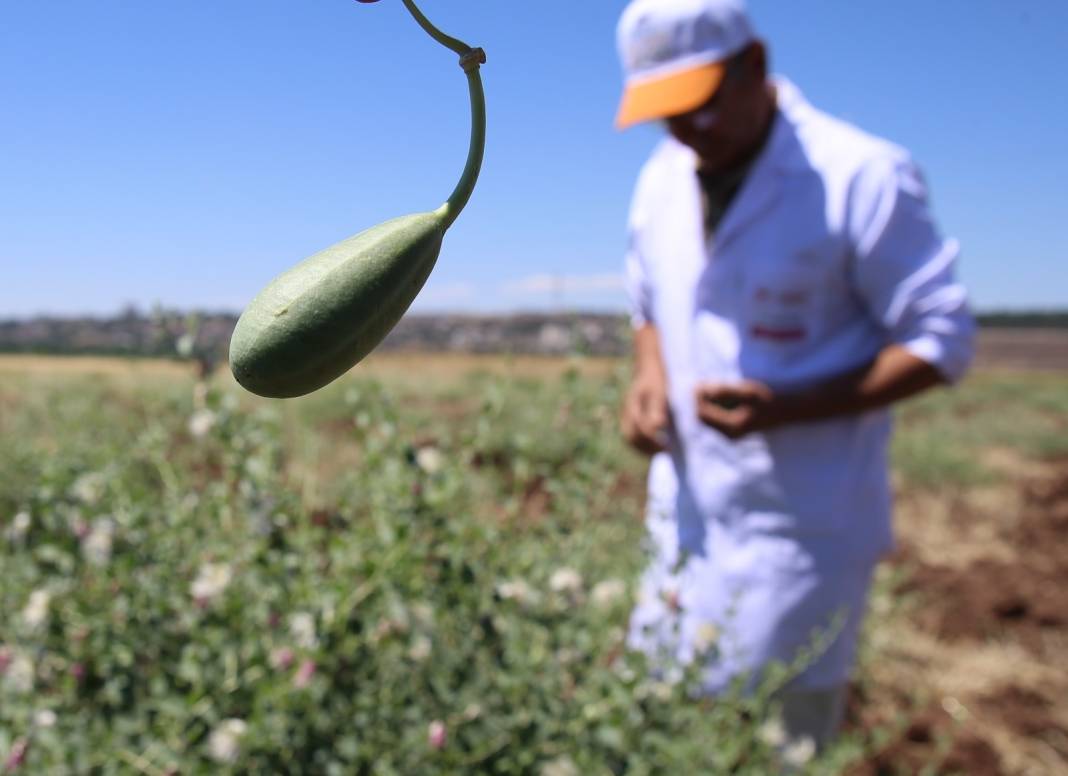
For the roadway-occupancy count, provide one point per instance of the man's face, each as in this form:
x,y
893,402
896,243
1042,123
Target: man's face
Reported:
x,y
729,124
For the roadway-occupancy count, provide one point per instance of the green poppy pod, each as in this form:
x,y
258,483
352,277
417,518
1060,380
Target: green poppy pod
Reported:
x,y
314,322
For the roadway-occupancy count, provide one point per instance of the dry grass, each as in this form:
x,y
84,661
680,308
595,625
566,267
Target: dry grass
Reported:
x,y
391,365
16,364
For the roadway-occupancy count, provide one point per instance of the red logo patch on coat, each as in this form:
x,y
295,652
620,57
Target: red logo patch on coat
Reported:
x,y
784,334
780,314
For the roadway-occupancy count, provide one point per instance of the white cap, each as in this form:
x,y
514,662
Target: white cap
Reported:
x,y
673,54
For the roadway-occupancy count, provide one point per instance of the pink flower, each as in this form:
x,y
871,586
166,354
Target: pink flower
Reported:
x,y
282,659
17,755
436,734
6,656
304,674
78,671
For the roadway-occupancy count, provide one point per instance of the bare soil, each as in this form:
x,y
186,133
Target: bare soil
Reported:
x,y
985,641
1030,349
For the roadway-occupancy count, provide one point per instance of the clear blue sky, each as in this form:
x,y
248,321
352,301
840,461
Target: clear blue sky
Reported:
x,y
186,152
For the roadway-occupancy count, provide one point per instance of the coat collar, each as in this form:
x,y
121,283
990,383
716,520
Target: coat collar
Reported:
x,y
781,156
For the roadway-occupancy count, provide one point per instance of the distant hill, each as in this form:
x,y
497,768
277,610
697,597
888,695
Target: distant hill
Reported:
x,y
1024,319
206,335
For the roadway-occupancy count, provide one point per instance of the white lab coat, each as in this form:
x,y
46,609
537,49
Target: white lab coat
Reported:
x,y
827,254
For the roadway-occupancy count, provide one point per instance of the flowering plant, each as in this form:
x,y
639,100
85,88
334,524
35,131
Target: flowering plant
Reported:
x,y
335,586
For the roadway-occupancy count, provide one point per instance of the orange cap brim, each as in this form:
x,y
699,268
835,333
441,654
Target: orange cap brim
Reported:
x,y
670,95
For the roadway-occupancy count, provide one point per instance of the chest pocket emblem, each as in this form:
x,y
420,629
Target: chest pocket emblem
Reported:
x,y
780,315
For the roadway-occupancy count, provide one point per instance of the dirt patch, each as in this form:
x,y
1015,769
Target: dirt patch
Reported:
x,y
1024,599
1042,535
537,499
1024,712
990,600
980,627
931,744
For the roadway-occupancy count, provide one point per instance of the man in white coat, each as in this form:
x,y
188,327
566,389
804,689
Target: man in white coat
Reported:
x,y
788,284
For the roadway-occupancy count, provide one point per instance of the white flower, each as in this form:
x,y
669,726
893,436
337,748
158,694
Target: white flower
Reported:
x,y
565,580
429,459
420,649
20,526
45,718
200,394
954,708
77,524
773,733
383,629
224,743
423,613
567,655
211,580
608,592
97,545
799,752
88,488
706,637
516,590
623,670
561,766
35,612
201,422
20,673
660,691
302,628
184,345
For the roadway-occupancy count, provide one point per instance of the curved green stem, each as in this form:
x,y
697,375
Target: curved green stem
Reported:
x,y
445,40
470,59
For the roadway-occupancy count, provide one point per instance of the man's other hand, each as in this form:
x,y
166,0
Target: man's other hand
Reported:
x,y
645,414
737,409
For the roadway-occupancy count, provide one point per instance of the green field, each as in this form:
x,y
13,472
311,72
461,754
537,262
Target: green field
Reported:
x,y
427,568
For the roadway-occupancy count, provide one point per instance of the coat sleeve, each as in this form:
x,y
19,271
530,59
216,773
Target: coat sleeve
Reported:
x,y
905,270
636,278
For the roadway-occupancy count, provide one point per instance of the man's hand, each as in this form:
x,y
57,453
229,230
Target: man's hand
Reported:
x,y
645,410
742,408
645,413
737,409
